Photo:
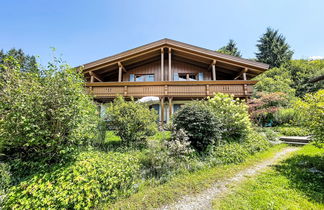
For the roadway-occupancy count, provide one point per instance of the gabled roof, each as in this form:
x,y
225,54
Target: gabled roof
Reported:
x,y
177,46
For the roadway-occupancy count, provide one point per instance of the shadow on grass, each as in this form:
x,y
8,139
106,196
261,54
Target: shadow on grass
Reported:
x,y
306,174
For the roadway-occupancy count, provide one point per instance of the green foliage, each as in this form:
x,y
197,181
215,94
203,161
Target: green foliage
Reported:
x,y
132,121
255,142
237,152
230,153
27,63
95,177
230,49
198,120
292,78
292,131
5,179
275,80
312,110
165,157
268,132
232,115
273,49
286,116
44,115
302,71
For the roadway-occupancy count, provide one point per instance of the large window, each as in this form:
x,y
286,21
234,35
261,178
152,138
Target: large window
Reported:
x,y
144,77
188,77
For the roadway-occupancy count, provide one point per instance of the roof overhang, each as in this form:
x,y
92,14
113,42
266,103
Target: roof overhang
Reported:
x,y
178,48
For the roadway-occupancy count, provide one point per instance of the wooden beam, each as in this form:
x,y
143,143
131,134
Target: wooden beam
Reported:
x,y
170,71
94,75
214,70
122,66
162,64
241,73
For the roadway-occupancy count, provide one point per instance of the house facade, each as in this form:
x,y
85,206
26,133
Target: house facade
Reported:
x,y
172,72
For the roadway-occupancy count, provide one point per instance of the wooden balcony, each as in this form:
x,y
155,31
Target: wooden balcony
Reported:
x,y
176,89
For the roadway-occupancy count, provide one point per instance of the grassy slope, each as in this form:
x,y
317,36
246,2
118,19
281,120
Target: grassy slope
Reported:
x,y
289,185
153,197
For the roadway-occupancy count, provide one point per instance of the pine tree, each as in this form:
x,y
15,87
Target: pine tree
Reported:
x,y
230,49
273,49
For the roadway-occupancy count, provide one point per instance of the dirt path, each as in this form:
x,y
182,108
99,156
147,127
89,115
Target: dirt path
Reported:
x,y
204,199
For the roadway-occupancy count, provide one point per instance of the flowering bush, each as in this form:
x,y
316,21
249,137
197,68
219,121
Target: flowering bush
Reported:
x,y
232,115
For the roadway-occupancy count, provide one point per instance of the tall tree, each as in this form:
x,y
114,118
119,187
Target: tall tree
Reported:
x,y
230,49
273,49
26,62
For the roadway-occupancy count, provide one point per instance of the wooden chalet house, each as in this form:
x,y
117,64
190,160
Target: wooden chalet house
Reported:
x,y
175,72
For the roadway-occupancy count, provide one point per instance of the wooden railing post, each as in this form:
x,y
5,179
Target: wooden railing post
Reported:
x,y
125,90
207,90
165,90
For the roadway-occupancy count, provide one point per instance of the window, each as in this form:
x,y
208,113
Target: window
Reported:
x,y
144,77
188,77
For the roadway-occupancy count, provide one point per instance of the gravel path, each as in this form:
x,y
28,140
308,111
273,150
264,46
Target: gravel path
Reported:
x,y
204,199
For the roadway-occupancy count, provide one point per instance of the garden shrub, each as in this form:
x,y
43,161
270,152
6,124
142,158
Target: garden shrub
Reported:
x,y
132,121
255,142
164,157
198,120
263,108
230,153
285,116
44,115
233,115
268,132
5,179
93,178
235,152
292,131
312,109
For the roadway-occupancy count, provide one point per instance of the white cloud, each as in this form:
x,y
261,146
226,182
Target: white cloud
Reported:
x,y
316,57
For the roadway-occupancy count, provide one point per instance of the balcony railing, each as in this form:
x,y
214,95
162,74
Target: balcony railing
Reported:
x,y
184,89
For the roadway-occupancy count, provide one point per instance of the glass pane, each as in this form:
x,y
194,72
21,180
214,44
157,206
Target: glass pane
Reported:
x,y
192,77
139,78
150,78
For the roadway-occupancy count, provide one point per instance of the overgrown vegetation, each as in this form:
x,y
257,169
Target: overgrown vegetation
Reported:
x,y
93,178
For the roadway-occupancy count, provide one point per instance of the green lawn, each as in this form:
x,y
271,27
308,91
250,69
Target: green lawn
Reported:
x,y
288,185
151,196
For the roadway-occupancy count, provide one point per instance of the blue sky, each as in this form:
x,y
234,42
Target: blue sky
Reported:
x,y
86,30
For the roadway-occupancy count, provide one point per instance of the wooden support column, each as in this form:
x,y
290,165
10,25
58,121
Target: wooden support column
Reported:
x,y
170,108
91,80
162,110
243,72
162,64
120,74
170,71
214,69
244,76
